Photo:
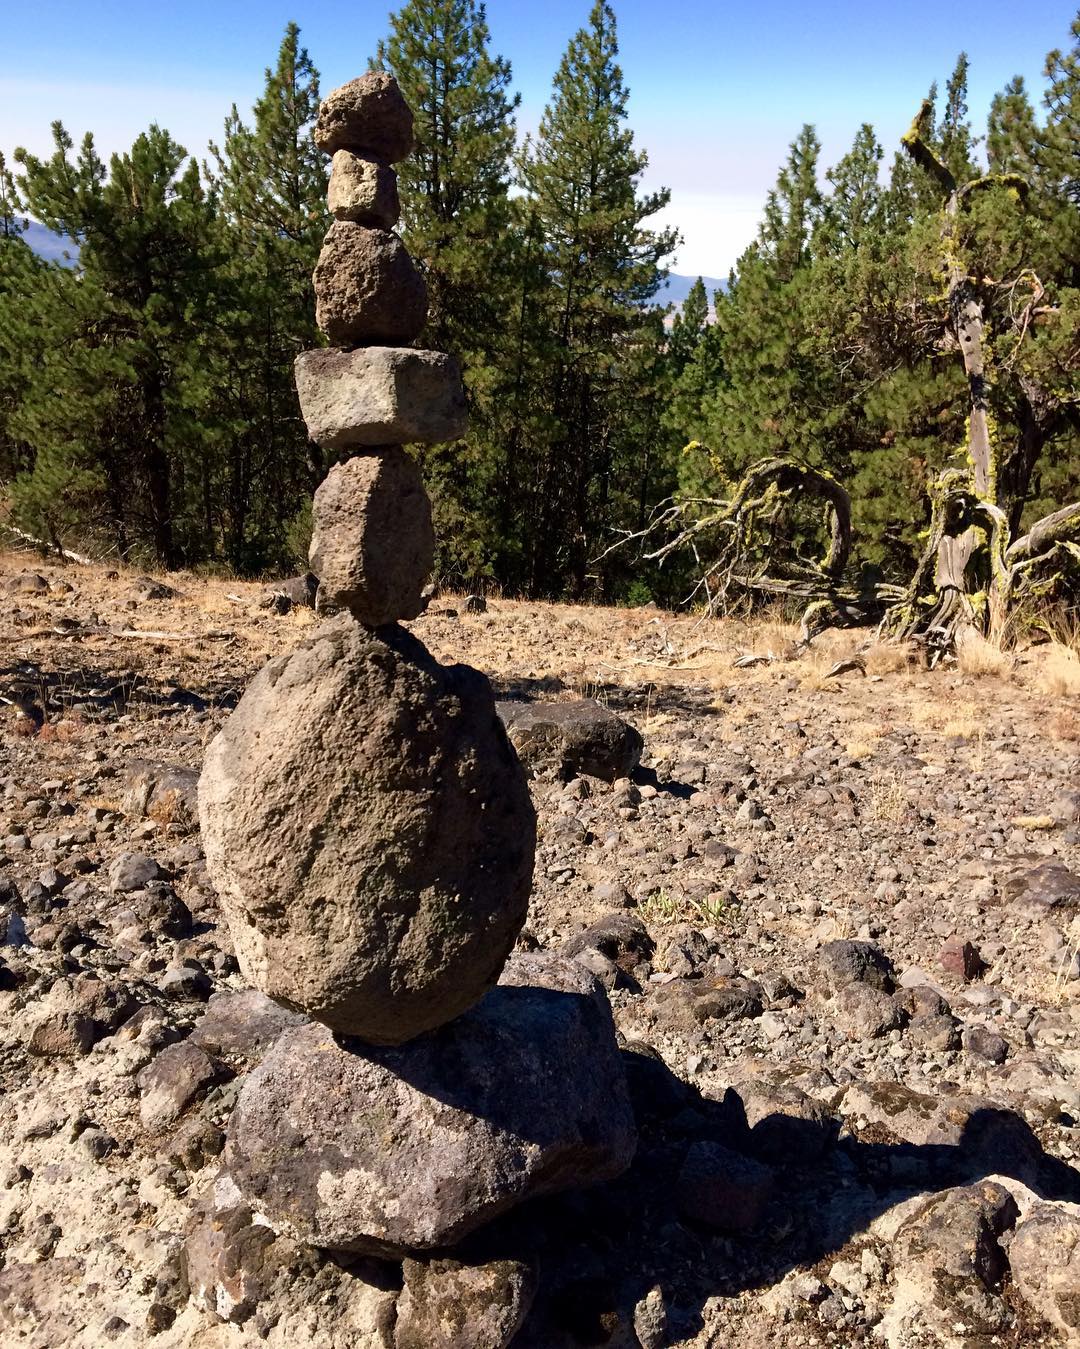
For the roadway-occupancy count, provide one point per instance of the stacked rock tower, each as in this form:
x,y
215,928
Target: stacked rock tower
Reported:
x,y
369,829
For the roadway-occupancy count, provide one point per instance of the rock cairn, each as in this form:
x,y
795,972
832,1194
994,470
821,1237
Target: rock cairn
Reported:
x,y
369,829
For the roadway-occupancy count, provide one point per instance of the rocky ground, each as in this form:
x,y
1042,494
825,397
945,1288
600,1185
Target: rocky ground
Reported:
x,y
837,918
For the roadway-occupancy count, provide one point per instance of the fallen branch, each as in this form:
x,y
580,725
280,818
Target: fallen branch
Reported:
x,y
46,547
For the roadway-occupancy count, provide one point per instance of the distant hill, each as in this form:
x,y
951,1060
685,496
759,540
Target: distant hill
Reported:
x,y
677,288
50,246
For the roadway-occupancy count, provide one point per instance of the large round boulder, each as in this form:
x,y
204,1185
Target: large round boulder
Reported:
x,y
391,1150
369,831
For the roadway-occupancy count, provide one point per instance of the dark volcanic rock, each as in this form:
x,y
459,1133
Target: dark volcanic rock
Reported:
x,y
373,546
856,962
574,737
241,1027
373,856
387,1151
367,289
369,113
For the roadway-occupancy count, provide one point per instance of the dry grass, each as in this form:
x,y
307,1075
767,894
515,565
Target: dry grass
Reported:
x,y
887,799
981,658
1058,673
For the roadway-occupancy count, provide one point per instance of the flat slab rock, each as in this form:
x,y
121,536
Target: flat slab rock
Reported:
x,y
578,736
391,1151
369,832
380,396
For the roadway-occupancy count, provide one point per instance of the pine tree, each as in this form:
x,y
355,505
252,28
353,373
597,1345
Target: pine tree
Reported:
x,y
107,408
270,180
603,265
460,225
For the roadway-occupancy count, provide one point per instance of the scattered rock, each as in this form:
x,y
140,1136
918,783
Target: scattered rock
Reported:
x,y
1045,888
134,871
722,1189
856,962
170,1082
1045,1259
241,1027
959,957
166,792
574,737
446,1304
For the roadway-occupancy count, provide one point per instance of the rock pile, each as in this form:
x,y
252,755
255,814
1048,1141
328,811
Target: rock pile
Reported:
x,y
369,829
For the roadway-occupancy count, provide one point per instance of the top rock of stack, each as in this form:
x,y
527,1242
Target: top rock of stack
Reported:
x,y
369,114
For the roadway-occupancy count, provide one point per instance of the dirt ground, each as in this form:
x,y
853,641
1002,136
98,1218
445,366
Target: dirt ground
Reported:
x,y
779,807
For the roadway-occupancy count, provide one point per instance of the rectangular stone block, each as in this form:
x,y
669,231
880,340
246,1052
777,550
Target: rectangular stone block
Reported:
x,y
380,396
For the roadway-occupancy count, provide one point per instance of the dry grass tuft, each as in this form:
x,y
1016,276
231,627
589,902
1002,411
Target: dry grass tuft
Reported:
x,y
888,800
978,657
1059,670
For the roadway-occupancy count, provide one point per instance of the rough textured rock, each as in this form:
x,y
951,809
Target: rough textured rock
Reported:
x,y
239,1271
369,113
363,190
950,1263
241,1027
171,1081
373,856
167,792
574,737
367,289
1048,887
373,545
393,1150
856,962
380,396
1045,1259
446,1304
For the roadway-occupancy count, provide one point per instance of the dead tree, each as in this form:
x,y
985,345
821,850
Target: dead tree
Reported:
x,y
970,572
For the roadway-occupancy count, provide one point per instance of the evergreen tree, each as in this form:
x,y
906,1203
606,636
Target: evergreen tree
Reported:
x,y
460,226
270,180
603,265
108,411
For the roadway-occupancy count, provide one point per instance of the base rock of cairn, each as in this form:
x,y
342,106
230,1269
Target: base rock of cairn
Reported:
x,y
387,1151
370,833
373,544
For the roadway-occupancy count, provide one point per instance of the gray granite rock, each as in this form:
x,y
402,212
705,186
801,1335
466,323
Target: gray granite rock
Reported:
x,y
393,1150
380,396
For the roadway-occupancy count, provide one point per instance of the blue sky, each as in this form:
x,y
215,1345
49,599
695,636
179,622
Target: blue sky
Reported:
x,y
718,90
